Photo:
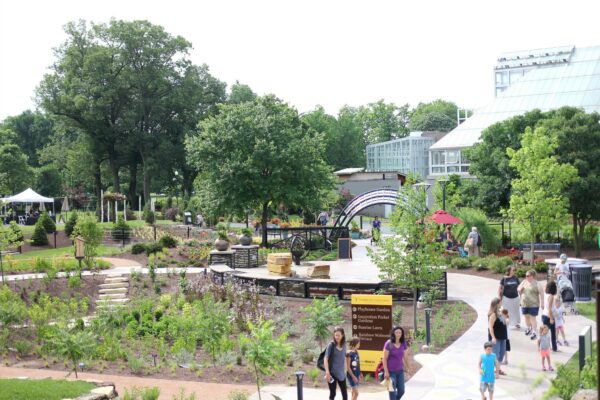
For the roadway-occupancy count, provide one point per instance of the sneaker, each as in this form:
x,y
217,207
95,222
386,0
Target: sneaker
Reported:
x,y
533,336
543,368
566,343
527,331
518,326
558,342
550,369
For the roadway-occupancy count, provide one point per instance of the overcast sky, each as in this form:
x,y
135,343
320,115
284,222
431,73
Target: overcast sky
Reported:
x,y
314,52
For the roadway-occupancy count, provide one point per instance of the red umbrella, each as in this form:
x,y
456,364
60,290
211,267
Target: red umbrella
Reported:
x,y
443,218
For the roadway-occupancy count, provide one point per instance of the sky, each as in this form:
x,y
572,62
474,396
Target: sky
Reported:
x,y
314,52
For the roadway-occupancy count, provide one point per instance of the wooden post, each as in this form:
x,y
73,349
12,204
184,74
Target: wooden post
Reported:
x,y
140,207
116,211
101,206
125,209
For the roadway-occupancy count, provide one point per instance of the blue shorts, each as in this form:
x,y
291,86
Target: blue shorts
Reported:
x,y
351,382
486,385
533,311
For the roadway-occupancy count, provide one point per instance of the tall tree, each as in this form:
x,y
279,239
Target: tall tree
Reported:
x,y
439,115
538,200
578,137
240,93
256,154
15,172
489,161
410,258
382,121
33,131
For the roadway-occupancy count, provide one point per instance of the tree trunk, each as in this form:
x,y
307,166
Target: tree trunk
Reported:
x,y
257,380
97,182
263,223
132,184
578,230
146,179
114,171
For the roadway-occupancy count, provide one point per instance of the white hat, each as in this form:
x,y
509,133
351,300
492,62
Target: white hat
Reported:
x,y
563,256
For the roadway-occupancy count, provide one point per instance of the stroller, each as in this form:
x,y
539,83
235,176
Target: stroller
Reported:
x,y
567,294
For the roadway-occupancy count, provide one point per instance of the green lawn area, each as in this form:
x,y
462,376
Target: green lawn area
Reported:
x,y
62,251
46,389
573,362
588,310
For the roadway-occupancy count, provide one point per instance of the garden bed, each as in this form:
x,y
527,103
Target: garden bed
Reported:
x,y
128,349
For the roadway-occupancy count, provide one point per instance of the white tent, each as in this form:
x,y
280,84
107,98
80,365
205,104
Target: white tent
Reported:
x,y
28,196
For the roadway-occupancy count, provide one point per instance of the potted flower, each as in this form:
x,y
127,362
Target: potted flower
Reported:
x,y
222,242
275,221
284,225
246,238
354,230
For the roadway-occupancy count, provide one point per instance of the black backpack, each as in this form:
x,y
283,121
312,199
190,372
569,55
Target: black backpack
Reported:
x,y
321,359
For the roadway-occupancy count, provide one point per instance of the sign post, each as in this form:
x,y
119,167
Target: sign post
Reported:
x,y
79,251
372,323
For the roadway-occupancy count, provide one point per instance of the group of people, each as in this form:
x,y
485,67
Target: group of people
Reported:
x,y
472,243
529,298
342,365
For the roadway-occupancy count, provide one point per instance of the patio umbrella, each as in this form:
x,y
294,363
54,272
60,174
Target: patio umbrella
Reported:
x,y
65,205
443,218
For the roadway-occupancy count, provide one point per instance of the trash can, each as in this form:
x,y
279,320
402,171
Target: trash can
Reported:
x,y
187,218
582,281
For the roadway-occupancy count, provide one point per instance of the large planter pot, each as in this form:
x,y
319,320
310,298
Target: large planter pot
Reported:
x,y
221,244
355,235
245,240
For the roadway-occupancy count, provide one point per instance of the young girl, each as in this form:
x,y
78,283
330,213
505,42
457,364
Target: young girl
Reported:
x,y
559,320
506,322
354,375
544,345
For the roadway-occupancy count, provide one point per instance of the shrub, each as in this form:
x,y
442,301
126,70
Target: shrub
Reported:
x,y
238,395
135,364
168,241
138,248
460,263
70,225
474,217
120,230
49,225
149,216
17,233
171,213
540,267
153,248
39,237
521,272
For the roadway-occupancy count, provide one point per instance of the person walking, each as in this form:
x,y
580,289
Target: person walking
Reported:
x,y
376,234
395,361
335,364
473,242
548,312
544,347
532,298
488,365
510,296
497,331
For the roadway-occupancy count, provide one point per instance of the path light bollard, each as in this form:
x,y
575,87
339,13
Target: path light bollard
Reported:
x,y
299,377
428,326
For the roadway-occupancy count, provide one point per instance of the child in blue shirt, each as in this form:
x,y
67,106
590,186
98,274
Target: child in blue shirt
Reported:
x,y
353,362
488,366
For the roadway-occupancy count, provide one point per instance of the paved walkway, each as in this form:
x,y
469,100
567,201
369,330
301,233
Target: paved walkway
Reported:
x,y
450,375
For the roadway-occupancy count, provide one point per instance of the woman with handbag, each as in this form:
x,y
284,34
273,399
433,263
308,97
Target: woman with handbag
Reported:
x,y
395,361
335,364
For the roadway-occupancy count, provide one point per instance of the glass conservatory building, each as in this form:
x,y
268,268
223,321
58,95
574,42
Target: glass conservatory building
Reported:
x,y
404,155
545,79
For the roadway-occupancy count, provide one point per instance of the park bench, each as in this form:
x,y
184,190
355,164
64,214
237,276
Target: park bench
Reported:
x,y
545,249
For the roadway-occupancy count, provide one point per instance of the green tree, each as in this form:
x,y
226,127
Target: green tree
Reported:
x,y
381,122
240,93
265,352
73,345
10,236
47,223
33,131
578,136
15,172
255,155
39,236
411,257
48,181
215,326
70,225
321,315
538,200
92,234
439,115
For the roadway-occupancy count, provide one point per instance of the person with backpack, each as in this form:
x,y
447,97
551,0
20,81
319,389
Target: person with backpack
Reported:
x,y
335,364
473,242
395,361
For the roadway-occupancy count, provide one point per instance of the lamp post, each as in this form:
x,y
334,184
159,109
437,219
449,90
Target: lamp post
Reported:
x,y
299,377
443,182
425,186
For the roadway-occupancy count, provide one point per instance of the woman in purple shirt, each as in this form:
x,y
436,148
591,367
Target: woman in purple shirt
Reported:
x,y
395,361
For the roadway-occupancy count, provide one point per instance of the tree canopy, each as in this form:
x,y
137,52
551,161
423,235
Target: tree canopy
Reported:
x,y
256,154
439,115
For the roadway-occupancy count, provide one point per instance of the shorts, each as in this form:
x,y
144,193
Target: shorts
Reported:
x,y
351,383
533,311
545,353
486,385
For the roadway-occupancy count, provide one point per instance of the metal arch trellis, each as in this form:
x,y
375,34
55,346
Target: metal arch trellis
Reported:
x,y
364,200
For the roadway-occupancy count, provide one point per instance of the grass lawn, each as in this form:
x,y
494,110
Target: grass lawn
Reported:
x,y
62,251
46,389
588,310
573,362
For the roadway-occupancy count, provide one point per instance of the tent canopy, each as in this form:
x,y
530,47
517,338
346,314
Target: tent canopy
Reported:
x,y
28,196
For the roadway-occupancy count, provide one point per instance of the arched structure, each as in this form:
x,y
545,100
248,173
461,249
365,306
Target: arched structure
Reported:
x,y
365,200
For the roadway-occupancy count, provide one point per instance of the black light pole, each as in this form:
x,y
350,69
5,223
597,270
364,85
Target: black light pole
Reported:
x,y
299,377
443,182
